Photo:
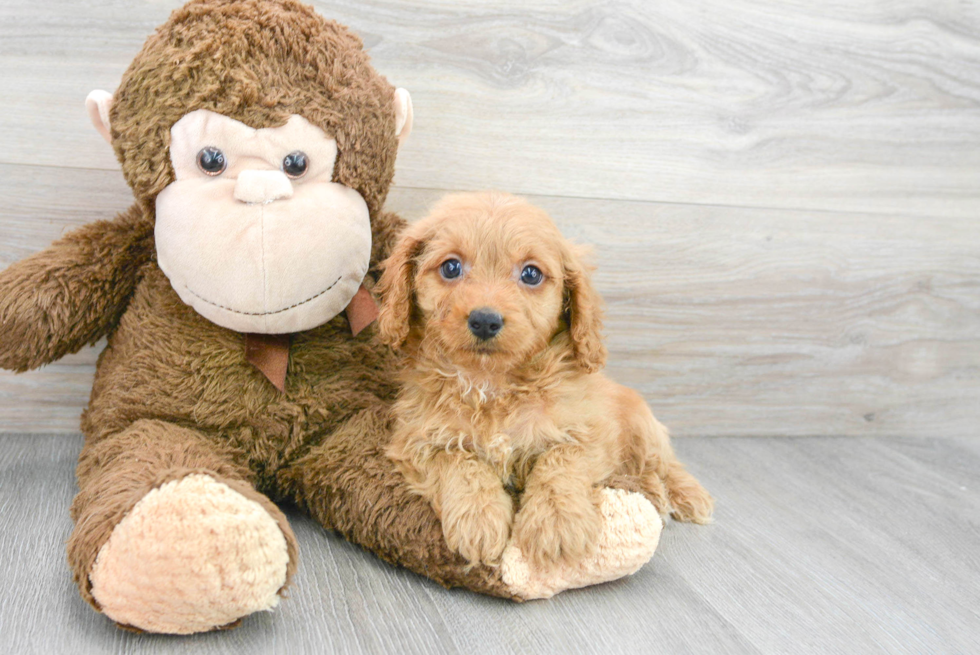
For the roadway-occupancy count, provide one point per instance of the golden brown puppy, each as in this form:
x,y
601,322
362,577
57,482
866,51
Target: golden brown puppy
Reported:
x,y
503,390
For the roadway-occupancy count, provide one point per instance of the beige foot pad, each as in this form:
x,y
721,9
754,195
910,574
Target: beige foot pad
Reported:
x,y
630,534
191,555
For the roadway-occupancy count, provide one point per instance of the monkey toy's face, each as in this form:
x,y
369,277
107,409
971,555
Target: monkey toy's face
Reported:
x,y
263,154
252,233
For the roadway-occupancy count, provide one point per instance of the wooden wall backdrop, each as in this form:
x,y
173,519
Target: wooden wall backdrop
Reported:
x,y
783,196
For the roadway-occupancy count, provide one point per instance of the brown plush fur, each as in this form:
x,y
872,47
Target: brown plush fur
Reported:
x,y
527,408
258,62
72,294
173,393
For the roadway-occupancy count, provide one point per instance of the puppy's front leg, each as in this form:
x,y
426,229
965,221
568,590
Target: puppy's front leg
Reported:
x,y
475,510
559,520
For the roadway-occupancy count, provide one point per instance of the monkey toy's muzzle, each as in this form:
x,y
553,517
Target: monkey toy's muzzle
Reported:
x,y
247,245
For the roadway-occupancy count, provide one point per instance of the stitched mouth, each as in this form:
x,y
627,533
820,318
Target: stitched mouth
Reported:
x,y
276,311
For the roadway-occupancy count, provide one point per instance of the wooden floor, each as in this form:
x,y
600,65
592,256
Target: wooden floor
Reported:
x,y
821,545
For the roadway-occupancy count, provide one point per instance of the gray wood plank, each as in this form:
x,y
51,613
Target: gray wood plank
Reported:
x,y
823,545
730,321
821,531
829,105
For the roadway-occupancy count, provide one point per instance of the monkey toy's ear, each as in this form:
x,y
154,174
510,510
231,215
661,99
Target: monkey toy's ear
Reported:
x,y
403,115
98,104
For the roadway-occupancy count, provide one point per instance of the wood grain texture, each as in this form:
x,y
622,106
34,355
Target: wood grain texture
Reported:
x,y
820,545
869,107
730,321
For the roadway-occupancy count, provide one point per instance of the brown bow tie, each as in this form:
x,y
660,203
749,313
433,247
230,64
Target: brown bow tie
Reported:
x,y
270,352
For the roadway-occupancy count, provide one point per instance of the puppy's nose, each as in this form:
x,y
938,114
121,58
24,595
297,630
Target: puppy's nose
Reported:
x,y
485,323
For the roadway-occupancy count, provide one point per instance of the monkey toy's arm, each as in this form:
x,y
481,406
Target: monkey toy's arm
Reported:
x,y
73,292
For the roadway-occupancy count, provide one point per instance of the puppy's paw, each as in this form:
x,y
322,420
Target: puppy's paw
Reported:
x,y
478,528
656,491
553,531
692,503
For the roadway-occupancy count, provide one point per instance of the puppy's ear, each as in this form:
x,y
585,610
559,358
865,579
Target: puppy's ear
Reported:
x,y
583,310
396,290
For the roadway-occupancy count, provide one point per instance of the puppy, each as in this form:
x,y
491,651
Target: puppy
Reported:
x,y
502,393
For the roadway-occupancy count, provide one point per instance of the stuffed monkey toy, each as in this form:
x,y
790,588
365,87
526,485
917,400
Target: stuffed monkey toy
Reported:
x,y
241,366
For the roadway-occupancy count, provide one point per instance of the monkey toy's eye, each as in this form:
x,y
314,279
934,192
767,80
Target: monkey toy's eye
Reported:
x,y
532,275
211,161
451,269
295,164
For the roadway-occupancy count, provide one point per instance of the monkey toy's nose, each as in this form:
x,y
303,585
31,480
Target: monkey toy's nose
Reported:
x,y
485,323
260,187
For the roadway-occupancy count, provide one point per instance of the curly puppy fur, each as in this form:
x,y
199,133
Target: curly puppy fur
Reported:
x,y
526,412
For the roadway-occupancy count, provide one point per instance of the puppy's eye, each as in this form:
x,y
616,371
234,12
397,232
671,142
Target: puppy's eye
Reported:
x,y
295,164
532,275
211,161
451,269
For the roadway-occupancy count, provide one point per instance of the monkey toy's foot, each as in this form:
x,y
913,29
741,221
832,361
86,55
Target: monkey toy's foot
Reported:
x,y
630,533
192,555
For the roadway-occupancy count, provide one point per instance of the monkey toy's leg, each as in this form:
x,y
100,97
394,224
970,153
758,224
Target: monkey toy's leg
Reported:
x,y
348,484
170,535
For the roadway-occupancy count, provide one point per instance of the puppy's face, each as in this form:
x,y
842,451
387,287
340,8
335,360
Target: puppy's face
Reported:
x,y
487,280
488,285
